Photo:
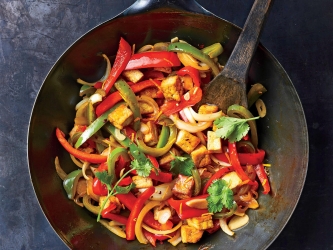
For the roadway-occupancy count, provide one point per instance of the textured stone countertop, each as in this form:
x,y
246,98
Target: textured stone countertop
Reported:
x,y
34,33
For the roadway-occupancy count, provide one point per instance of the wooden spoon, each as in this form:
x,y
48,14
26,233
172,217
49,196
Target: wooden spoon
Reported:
x,y
229,86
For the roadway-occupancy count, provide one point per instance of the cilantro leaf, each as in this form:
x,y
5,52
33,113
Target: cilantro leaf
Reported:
x,y
182,165
126,189
143,168
104,178
220,196
231,128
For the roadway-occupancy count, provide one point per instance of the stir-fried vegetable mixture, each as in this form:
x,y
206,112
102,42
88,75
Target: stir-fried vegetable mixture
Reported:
x,y
150,166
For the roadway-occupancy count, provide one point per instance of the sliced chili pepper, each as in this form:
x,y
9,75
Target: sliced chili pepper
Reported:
x,y
251,158
171,107
184,211
137,207
235,162
92,158
219,174
153,59
129,199
99,188
192,72
115,97
261,173
122,58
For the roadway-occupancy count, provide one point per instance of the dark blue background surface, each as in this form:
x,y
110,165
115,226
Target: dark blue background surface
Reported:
x,y
34,33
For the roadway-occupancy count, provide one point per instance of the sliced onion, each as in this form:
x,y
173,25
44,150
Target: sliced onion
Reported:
x,y
104,77
222,163
79,104
205,117
162,192
150,101
84,169
119,136
162,232
61,173
189,116
95,98
192,128
114,229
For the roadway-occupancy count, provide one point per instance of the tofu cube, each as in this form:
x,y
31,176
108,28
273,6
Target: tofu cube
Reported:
x,y
186,141
151,138
142,182
208,109
232,179
183,187
172,88
121,116
133,75
190,234
201,223
151,92
214,143
200,156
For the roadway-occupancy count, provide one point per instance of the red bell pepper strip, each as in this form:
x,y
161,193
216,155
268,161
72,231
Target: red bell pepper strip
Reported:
x,y
261,173
122,58
99,188
153,59
153,74
172,106
192,72
251,158
92,158
115,97
235,162
219,174
184,211
115,217
129,200
152,238
137,207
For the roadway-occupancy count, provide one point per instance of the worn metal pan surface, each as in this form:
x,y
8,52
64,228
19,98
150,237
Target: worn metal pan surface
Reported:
x,y
282,133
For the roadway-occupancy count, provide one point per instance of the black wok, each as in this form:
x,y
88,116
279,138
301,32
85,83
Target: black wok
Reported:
x,y
282,133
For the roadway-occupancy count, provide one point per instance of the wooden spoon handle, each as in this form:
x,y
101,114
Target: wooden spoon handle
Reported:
x,y
238,64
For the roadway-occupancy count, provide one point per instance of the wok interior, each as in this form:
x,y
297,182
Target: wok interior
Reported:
x,y
282,133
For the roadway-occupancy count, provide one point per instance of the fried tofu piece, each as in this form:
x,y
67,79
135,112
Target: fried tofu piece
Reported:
x,y
142,182
214,143
172,88
190,234
166,159
187,82
151,136
121,116
132,75
201,223
208,109
232,179
186,141
145,108
151,92
200,156
183,187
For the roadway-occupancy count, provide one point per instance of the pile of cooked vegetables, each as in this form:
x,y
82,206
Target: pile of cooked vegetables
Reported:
x,y
150,166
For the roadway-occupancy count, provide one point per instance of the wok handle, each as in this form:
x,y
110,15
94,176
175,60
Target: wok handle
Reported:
x,y
239,61
142,6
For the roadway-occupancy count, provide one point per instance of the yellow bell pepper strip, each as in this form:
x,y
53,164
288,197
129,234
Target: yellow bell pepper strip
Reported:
x,y
239,111
115,97
188,60
70,183
129,97
213,50
152,59
196,53
92,158
122,58
156,152
95,126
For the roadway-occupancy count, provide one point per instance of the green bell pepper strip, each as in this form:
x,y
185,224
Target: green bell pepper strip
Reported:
x,y
239,111
226,214
95,126
129,97
70,183
254,93
111,162
196,53
156,152
90,113
164,136
197,182
213,50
